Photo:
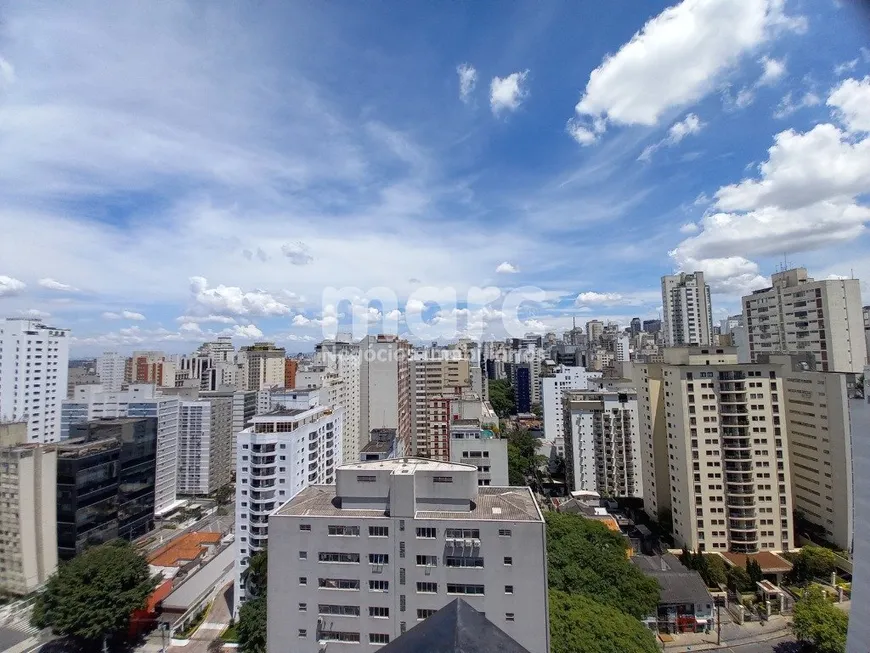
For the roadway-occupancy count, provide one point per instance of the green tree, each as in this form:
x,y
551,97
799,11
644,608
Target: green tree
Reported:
x,y
523,459
92,596
820,623
501,397
753,570
585,558
716,573
577,623
738,580
251,628
537,411
224,494
812,562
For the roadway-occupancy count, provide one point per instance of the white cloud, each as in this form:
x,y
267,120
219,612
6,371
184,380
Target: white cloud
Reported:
x,y
689,228
7,74
35,313
688,126
231,300
788,106
328,318
191,327
201,319
592,297
677,58
10,286
507,93
467,80
123,315
845,67
245,331
52,284
774,70
583,135
298,253
507,268
852,101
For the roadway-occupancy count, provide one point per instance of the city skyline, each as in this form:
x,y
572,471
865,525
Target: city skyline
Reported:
x,y
189,201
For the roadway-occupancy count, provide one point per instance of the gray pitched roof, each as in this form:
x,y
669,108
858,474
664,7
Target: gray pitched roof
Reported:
x,y
455,628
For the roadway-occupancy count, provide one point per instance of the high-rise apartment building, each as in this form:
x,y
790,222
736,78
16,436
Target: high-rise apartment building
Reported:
x,y
105,483
34,362
244,407
90,403
602,441
385,388
110,369
290,367
205,437
859,629
553,386
594,329
635,326
798,314
652,326
263,366
688,312
392,542
80,375
28,510
715,449
280,454
437,375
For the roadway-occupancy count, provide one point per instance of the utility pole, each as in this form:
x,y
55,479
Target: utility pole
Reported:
x,y
718,622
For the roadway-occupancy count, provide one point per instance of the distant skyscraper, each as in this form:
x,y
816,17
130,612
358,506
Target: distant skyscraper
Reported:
x,y
652,326
635,326
263,366
688,315
594,329
110,369
385,388
34,364
798,314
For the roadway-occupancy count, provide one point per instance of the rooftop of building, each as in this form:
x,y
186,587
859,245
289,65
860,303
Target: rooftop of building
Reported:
x,y
679,585
492,504
186,548
769,561
455,628
407,465
473,421
375,446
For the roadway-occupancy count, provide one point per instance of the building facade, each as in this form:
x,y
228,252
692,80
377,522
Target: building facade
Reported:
x,y
602,442
28,511
859,629
394,541
205,437
110,368
715,446
34,364
280,454
435,373
687,310
800,315
553,388
263,366
473,444
385,388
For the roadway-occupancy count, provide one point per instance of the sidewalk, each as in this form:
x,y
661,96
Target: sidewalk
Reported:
x,y
732,635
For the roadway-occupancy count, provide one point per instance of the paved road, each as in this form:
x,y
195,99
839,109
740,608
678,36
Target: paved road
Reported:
x,y
217,619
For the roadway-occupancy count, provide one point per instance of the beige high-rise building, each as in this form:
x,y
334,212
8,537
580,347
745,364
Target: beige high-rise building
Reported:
x,y
594,329
385,389
263,366
686,309
798,314
715,450
28,510
437,375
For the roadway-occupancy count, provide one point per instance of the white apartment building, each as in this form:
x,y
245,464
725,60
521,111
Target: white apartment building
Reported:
x,y
34,362
28,511
553,387
602,441
279,455
204,439
686,310
825,413
392,542
92,402
859,629
715,450
262,366
111,368
244,407
798,315
342,357
385,388
622,348
473,444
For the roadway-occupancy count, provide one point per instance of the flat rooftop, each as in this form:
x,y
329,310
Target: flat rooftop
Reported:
x,y
407,465
377,447
492,504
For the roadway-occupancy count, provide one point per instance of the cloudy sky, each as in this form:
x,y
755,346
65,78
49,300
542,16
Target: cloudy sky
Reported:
x,y
172,171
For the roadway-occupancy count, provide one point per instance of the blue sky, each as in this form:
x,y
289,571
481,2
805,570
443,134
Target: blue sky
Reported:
x,y
173,171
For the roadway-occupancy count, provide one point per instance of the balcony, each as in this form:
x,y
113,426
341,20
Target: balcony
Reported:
x,y
739,478
732,398
262,460
739,466
262,508
263,448
741,503
734,409
262,496
745,527
263,484
734,420
742,513
732,387
740,489
745,538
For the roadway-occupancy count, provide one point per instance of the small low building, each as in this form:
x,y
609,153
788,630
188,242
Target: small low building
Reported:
x,y
773,566
685,604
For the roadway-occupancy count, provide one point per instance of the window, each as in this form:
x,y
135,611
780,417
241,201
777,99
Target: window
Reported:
x,y
303,580
303,607
338,610
424,613
401,549
379,559
304,527
427,588
338,583
402,603
379,613
427,561
508,561
462,561
303,555
379,638
366,479
509,616
504,532
461,533
379,531
508,589
343,531
303,632
379,586
339,636
456,588
427,533
442,479
352,558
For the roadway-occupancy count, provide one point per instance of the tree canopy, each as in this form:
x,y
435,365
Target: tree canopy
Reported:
x,y
523,459
501,396
93,595
819,622
585,558
812,562
710,567
251,628
577,623
224,494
